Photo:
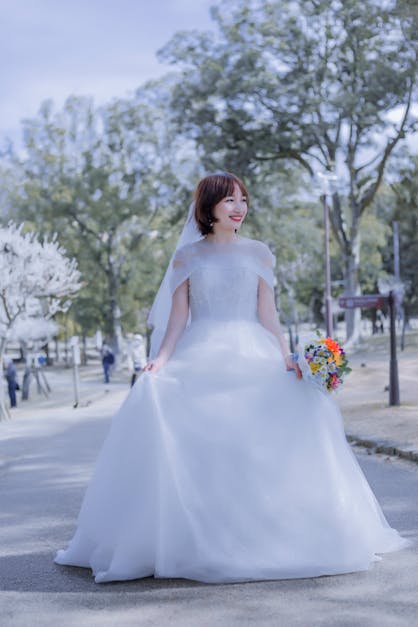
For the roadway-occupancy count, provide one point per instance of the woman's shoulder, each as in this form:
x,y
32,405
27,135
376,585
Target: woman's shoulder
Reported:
x,y
186,252
260,249
257,243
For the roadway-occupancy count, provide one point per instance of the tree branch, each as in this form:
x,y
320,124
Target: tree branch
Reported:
x,y
368,197
289,154
10,318
84,226
337,222
366,165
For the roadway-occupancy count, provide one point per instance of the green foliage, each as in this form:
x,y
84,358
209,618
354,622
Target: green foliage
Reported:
x,y
109,181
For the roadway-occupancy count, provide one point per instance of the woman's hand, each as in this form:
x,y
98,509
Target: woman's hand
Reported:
x,y
292,364
155,365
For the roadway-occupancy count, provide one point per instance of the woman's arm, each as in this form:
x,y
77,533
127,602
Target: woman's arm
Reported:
x,y
176,324
269,318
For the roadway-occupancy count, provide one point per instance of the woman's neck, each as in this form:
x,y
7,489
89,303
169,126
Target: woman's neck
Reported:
x,y
222,237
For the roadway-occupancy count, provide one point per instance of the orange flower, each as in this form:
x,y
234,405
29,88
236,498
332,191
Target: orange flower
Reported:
x,y
332,345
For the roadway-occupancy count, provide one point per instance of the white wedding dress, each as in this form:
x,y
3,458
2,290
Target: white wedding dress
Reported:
x,y
224,467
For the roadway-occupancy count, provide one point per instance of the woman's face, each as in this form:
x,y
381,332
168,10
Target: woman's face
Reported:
x,y
230,211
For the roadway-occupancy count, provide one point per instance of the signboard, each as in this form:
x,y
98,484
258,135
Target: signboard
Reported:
x,y
378,301
364,301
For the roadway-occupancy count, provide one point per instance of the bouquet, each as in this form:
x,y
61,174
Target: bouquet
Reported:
x,y
323,362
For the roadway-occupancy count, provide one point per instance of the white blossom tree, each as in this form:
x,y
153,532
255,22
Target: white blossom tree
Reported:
x,y
37,280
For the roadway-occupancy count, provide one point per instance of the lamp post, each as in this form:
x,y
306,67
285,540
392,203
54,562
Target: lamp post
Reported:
x,y
326,178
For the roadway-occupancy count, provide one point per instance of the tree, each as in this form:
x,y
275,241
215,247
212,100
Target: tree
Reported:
x,y
311,81
37,281
106,179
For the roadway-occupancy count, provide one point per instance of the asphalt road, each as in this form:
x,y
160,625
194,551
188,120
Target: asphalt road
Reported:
x,y
45,463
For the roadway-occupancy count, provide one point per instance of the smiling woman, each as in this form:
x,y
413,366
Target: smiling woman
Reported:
x,y
219,198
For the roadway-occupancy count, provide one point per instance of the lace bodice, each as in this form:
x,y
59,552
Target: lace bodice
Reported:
x,y
223,278
225,292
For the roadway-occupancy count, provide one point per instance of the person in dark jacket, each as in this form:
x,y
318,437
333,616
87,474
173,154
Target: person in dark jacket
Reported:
x,y
11,382
108,360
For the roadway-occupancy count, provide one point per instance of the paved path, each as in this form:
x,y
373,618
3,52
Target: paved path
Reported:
x,y
368,419
48,457
60,379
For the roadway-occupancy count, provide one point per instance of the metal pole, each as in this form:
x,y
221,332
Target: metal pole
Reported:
x,y
328,303
394,398
399,309
76,386
76,362
396,263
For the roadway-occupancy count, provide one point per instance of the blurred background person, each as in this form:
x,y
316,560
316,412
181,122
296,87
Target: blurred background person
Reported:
x,y
11,382
108,359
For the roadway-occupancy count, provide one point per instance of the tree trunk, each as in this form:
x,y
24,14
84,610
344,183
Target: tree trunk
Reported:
x,y
48,356
66,360
115,314
352,288
4,412
84,348
26,373
26,382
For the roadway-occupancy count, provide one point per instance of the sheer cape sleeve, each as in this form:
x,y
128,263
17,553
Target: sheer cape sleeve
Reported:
x,y
183,263
179,269
264,262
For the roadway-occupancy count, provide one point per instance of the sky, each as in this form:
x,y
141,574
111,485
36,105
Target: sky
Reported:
x,y
103,48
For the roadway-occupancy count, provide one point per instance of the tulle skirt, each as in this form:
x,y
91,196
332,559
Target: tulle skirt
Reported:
x,y
223,467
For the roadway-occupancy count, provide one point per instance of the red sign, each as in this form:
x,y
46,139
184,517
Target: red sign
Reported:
x,y
364,301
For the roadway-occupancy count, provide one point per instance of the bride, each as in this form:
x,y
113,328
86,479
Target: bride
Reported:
x,y
223,464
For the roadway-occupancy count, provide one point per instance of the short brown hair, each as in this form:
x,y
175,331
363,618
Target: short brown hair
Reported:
x,y
211,190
